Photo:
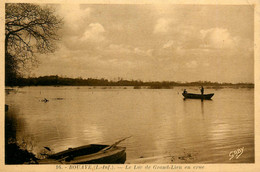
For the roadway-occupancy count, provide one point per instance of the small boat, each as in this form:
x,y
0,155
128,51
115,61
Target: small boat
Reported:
x,y
197,96
45,100
88,154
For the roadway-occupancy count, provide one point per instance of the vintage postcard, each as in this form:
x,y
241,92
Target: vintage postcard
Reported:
x,y
130,86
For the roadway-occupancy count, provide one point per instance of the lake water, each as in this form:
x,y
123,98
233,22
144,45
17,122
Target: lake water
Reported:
x,y
160,122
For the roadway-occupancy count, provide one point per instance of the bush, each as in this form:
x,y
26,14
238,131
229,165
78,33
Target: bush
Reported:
x,y
15,155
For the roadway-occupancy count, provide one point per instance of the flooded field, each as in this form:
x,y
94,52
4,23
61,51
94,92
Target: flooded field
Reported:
x,y
164,127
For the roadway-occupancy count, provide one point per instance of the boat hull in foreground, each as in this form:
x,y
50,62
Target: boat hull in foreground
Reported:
x,y
89,154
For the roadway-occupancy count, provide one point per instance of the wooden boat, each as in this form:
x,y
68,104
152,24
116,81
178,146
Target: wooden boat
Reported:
x,y
197,96
88,154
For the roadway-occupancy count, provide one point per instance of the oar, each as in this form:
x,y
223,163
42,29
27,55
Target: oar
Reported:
x,y
116,143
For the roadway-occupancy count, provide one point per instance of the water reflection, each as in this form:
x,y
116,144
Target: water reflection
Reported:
x,y
91,132
202,108
160,121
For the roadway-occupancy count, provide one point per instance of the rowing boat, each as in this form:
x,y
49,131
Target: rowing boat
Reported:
x,y
88,154
197,96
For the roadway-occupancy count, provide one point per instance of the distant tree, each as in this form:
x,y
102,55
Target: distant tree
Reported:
x,y
29,29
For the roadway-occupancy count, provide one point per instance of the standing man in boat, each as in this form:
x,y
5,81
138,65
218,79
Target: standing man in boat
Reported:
x,y
202,90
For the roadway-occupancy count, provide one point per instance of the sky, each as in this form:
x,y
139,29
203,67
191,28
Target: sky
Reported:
x,y
154,43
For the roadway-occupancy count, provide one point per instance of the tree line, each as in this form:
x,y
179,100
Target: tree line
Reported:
x,y
55,80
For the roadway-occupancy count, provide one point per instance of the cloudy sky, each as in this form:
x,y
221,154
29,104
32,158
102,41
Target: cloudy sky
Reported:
x,y
154,42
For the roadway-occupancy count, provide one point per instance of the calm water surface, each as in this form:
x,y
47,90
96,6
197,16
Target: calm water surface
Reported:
x,y
159,121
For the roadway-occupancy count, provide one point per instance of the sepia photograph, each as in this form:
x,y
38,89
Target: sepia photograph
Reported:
x,y
129,83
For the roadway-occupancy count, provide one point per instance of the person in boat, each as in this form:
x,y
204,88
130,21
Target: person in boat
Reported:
x,y
184,91
202,90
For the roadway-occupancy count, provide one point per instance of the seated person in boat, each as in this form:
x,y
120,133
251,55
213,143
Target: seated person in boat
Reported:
x,y
184,91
